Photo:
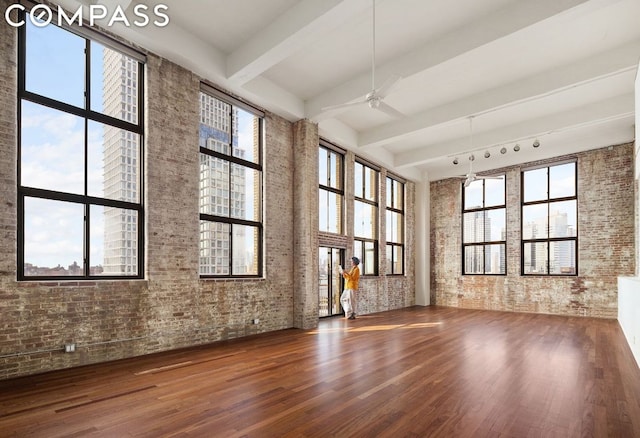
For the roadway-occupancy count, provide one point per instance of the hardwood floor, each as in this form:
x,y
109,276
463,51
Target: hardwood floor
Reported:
x,y
417,372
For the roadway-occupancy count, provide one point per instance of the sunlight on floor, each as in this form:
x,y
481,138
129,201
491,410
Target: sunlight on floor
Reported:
x,y
371,328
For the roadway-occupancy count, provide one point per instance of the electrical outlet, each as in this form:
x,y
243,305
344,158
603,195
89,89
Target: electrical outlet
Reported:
x,y
69,348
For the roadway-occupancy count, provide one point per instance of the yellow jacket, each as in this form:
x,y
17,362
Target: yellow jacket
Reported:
x,y
352,277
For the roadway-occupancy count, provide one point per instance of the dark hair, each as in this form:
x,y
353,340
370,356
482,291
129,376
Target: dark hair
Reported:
x,y
355,260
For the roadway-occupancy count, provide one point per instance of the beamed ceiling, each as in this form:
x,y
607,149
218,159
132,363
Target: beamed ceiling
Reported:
x,y
560,71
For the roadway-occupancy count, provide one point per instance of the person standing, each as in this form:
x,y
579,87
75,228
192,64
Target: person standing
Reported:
x,y
348,297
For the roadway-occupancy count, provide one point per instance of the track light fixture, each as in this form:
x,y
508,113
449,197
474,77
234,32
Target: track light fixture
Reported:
x,y
516,147
455,160
536,143
503,150
487,154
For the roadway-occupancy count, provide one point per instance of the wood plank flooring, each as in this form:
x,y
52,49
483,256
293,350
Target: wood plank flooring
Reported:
x,y
417,372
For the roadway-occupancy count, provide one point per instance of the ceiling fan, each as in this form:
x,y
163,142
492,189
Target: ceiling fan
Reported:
x,y
375,98
471,176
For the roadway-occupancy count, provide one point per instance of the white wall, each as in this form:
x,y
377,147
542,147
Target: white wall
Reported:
x,y
629,312
629,287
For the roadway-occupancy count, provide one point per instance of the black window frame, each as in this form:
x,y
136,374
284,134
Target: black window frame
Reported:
x,y
392,206
365,245
327,187
231,159
486,242
88,115
549,240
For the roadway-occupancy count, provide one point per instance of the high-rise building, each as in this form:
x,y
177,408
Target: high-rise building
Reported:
x,y
121,163
222,190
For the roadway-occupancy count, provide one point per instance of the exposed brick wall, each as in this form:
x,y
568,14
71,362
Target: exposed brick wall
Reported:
x,y
172,307
605,236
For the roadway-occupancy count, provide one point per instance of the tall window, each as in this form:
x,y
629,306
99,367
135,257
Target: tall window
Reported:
x,y
549,220
231,135
395,226
484,227
331,191
365,218
80,197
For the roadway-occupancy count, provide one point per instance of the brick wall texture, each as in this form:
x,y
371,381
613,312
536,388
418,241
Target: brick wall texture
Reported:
x,y
606,245
172,307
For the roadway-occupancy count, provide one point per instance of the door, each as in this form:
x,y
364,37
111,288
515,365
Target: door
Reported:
x,y
329,281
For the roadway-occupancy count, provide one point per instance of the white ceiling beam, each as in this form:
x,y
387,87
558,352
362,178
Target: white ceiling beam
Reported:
x,y
598,112
297,28
601,66
492,27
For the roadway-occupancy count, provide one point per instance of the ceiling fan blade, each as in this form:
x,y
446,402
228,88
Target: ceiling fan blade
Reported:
x,y
489,177
343,106
388,86
388,109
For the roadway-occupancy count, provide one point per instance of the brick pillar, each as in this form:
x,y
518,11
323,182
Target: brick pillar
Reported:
x,y
305,226
8,158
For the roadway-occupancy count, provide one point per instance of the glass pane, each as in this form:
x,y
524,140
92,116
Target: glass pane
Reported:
x,y
389,187
214,248
364,222
52,149
370,184
474,224
114,241
534,221
368,263
473,195
494,192
562,180
474,260
336,171
114,83
113,171
562,257
330,209
214,186
324,269
389,268
562,219
535,258
495,259
358,247
398,197
358,183
323,174
395,259
245,193
496,224
245,250
394,227
215,124
336,280
246,135
535,185
55,64
53,238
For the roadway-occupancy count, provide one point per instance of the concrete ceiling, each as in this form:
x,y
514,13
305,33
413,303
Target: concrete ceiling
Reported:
x,y
560,71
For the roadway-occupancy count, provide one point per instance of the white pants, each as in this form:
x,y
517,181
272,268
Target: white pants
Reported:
x,y
348,301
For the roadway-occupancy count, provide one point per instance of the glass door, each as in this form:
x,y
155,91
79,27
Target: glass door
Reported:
x,y
329,281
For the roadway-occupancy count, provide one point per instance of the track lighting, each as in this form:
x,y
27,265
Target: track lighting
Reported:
x,y
455,160
516,147
536,143
503,150
487,154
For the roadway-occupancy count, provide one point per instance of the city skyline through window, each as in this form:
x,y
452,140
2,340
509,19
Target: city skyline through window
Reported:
x,y
79,176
